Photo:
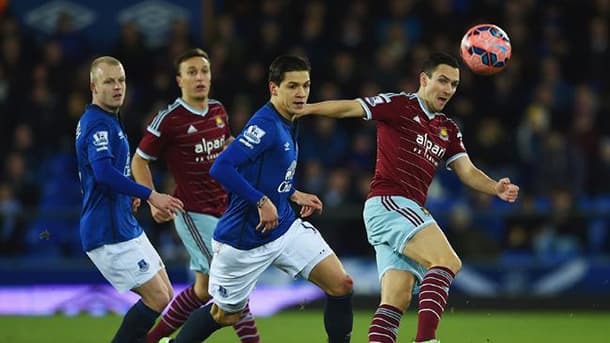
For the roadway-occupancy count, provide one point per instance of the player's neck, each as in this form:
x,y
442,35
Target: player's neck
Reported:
x,y
196,103
282,111
424,102
105,108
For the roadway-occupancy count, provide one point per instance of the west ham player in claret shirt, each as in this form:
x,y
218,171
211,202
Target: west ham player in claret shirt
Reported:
x,y
413,139
189,135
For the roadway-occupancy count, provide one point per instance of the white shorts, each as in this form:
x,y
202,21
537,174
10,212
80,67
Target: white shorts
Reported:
x,y
234,272
127,265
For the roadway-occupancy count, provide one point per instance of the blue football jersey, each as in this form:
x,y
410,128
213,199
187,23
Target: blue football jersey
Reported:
x,y
106,216
269,141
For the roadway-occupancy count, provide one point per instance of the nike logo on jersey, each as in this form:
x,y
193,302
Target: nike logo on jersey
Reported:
x,y
191,129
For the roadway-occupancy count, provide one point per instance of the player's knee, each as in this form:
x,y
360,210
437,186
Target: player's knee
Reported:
x,y
452,263
165,297
344,286
400,300
158,300
455,265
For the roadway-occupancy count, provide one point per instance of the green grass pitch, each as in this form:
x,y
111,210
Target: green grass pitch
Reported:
x,y
307,326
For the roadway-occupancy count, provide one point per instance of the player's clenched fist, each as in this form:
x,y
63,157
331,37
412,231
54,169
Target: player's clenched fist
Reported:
x,y
506,190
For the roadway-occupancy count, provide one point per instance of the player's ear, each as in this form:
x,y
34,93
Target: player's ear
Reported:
x,y
92,87
179,80
272,88
423,79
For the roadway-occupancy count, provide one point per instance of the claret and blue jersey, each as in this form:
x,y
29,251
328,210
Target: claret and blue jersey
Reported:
x,y
106,215
264,155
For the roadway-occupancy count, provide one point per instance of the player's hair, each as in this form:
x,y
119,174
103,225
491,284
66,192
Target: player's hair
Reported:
x,y
286,63
188,54
102,59
437,59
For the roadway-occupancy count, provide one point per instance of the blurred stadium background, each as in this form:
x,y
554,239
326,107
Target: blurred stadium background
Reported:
x,y
544,122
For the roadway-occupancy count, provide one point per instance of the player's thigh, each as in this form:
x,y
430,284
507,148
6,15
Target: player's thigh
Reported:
x,y
396,288
430,247
196,230
303,248
393,221
234,273
331,277
388,260
156,293
127,265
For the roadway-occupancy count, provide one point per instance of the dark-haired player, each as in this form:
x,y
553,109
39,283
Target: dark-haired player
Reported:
x,y
189,135
413,139
259,228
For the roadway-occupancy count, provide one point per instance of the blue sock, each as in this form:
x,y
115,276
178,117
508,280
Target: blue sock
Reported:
x,y
338,318
136,323
198,327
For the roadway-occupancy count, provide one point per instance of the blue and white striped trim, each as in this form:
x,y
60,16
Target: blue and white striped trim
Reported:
x,y
155,124
453,158
367,112
193,110
423,107
145,155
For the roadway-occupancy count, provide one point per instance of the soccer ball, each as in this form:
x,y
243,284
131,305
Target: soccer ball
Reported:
x,y
485,49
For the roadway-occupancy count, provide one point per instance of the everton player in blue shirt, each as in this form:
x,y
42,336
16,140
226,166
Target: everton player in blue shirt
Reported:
x,y
259,228
110,234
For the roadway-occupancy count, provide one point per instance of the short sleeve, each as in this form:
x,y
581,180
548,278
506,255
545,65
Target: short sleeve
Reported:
x,y
151,146
153,142
98,142
256,137
383,107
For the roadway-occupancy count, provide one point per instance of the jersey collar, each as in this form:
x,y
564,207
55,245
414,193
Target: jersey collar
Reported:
x,y
194,110
286,121
98,108
429,114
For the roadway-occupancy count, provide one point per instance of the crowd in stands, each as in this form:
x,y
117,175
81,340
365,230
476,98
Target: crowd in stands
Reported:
x,y
544,121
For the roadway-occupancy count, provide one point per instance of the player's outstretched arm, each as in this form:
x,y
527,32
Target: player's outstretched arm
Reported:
x,y
476,179
309,203
140,170
334,109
